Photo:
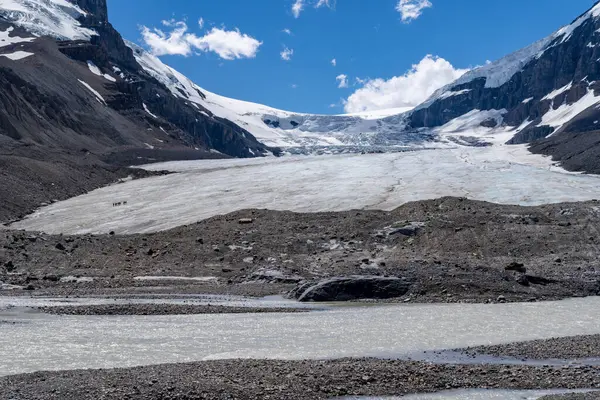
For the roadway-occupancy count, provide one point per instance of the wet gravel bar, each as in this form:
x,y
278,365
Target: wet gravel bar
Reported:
x,y
290,380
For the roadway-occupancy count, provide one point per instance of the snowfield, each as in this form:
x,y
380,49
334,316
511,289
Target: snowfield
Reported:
x,y
201,189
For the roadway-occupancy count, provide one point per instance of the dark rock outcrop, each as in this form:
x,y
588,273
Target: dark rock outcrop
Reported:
x,y
352,288
531,134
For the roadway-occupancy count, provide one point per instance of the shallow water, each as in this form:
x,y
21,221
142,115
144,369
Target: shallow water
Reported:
x,y
42,342
477,395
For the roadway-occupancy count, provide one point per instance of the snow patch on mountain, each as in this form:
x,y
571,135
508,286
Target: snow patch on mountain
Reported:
x,y
559,91
566,112
55,18
566,32
94,92
96,71
17,55
471,122
451,93
148,111
6,39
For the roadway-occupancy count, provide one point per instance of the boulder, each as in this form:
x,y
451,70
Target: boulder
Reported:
x,y
517,267
408,230
353,288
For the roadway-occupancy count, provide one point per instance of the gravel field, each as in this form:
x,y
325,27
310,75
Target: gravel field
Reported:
x,y
559,348
250,379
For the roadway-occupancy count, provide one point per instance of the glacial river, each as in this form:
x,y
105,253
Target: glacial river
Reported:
x,y
30,341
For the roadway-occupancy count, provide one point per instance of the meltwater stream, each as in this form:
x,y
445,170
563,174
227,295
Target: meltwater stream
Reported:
x,y
33,341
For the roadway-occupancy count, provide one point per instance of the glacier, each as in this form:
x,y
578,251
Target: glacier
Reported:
x,y
202,189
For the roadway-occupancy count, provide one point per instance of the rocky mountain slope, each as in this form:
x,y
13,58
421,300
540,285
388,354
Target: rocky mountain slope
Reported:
x,y
75,105
547,93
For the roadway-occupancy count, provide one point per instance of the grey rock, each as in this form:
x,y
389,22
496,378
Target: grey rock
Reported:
x,y
517,267
523,280
407,230
354,288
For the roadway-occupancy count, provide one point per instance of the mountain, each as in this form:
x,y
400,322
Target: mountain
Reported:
x,y
544,95
547,93
78,103
75,106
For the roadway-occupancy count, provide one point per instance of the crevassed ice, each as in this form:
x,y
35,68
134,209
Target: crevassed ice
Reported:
x,y
56,18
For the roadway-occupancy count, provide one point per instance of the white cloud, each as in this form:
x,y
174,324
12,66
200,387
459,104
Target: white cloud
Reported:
x,y
201,23
287,31
412,9
297,8
408,90
333,105
162,43
299,5
286,54
342,81
327,3
229,45
334,62
294,86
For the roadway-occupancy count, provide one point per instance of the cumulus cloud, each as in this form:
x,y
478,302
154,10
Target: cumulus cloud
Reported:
x,y
408,90
162,43
228,45
287,31
297,8
286,54
201,23
342,80
412,9
334,62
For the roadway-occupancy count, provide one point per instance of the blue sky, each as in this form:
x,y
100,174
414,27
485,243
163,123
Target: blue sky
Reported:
x,y
238,50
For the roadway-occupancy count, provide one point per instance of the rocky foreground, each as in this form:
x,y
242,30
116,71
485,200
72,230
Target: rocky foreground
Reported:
x,y
290,380
444,250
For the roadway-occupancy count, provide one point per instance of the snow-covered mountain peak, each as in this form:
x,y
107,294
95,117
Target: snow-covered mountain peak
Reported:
x,y
499,72
566,32
55,18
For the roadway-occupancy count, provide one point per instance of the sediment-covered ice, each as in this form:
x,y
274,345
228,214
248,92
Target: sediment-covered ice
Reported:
x,y
203,189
